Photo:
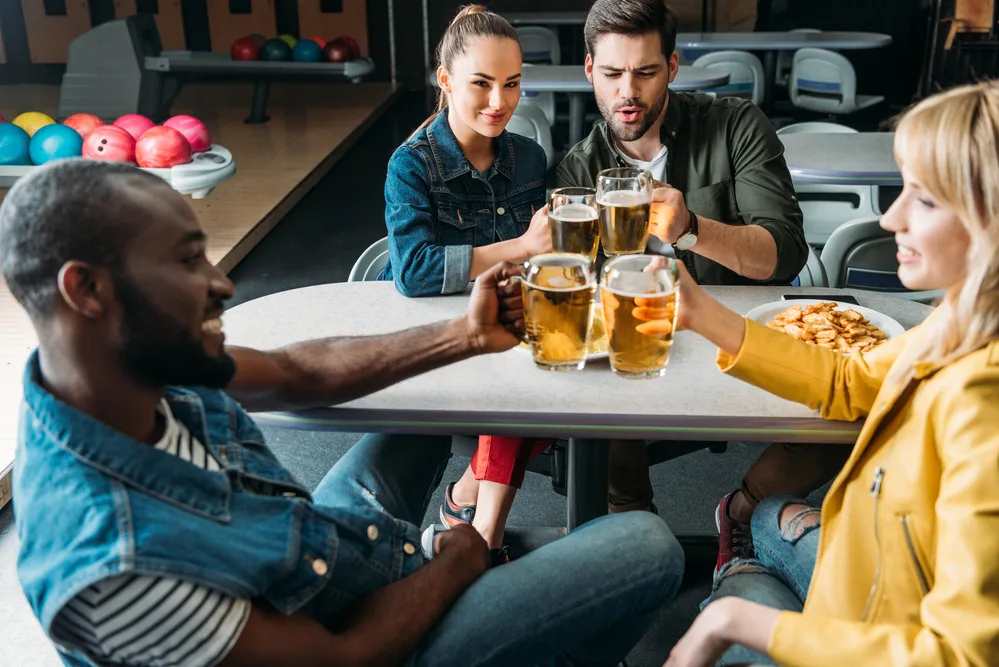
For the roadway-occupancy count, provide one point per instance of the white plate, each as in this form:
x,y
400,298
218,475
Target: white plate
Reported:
x,y
768,311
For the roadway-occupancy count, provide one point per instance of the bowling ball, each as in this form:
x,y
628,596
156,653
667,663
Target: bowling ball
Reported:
x,y
258,39
109,143
355,48
276,50
290,40
245,48
307,51
14,143
135,124
30,121
318,40
193,130
338,52
84,123
161,148
55,142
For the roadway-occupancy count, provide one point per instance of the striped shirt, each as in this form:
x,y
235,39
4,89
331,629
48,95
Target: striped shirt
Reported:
x,y
157,621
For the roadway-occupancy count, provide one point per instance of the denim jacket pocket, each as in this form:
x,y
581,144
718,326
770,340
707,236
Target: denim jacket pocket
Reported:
x,y
457,225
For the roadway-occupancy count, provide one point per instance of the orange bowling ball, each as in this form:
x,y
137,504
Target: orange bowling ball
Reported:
x,y
83,123
318,40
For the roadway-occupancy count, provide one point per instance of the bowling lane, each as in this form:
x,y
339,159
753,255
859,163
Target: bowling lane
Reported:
x,y
277,162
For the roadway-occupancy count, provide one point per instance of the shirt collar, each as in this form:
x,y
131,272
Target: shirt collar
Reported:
x,y
451,161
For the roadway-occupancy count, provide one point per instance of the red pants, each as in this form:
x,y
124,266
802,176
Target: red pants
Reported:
x,y
504,459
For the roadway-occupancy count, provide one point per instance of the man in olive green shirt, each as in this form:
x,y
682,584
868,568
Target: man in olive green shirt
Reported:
x,y
731,214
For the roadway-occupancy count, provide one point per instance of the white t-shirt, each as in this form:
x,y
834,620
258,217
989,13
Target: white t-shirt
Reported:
x,y
657,167
157,621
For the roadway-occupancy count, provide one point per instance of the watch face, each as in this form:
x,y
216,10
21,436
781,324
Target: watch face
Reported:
x,y
686,242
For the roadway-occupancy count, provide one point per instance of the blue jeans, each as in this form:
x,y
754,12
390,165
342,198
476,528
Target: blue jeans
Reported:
x,y
585,599
780,574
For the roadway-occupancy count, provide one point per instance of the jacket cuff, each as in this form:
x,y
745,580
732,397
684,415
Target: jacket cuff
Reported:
x,y
457,268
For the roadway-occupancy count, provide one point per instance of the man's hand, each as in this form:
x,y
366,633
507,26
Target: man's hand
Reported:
x,y
495,310
670,218
467,552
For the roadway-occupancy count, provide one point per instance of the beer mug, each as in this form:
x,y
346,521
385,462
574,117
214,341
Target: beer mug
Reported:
x,y
639,294
572,219
558,290
624,200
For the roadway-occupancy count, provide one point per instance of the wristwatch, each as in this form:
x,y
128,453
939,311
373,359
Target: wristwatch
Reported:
x,y
689,239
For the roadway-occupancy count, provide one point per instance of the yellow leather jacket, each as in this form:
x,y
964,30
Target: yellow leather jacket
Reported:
x,y
908,561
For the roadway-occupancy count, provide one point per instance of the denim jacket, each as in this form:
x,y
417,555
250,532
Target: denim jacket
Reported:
x,y
92,503
438,206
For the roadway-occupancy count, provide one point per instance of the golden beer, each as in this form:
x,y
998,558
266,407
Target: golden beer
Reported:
x,y
624,221
558,292
640,309
574,228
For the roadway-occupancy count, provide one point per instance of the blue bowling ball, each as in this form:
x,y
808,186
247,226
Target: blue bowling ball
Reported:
x,y
307,51
14,144
55,142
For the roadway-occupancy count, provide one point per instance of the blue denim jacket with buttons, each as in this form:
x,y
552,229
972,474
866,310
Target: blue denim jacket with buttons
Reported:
x,y
438,206
92,503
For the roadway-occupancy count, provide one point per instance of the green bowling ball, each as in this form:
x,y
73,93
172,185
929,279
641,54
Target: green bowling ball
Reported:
x,y
275,50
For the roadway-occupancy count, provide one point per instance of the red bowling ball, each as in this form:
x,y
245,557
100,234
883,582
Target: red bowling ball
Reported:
x,y
193,130
355,48
162,148
83,123
245,48
109,143
338,52
135,124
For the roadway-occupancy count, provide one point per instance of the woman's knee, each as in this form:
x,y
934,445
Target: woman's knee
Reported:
x,y
786,516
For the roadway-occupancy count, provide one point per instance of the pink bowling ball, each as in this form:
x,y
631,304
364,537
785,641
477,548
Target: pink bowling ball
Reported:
x,y
161,148
83,123
135,124
108,142
193,130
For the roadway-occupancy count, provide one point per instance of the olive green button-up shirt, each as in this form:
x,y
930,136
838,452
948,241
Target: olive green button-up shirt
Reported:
x,y
726,159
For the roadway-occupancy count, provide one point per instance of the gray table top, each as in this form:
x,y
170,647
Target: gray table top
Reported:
x,y
774,41
572,79
864,158
545,18
193,62
505,394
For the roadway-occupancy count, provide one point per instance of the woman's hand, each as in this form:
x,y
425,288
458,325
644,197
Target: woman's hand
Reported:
x,y
724,622
538,237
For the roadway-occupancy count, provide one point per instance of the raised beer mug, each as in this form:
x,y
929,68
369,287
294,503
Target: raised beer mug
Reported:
x,y
558,290
639,295
572,219
624,201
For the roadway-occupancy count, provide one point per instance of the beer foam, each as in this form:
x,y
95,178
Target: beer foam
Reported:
x,y
574,213
624,198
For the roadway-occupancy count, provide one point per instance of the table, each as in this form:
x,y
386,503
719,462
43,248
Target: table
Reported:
x,y
545,18
771,43
572,79
864,158
519,399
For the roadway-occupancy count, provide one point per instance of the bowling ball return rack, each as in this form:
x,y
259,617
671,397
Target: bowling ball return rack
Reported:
x,y
120,67
197,178
178,66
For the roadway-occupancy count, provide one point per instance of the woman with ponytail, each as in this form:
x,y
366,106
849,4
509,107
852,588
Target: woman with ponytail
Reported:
x,y
901,566
463,194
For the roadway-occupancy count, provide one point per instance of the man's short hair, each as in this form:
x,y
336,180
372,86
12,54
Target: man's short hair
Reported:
x,y
66,210
631,17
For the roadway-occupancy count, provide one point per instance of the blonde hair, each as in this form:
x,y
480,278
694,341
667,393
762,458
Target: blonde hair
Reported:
x,y
471,22
950,143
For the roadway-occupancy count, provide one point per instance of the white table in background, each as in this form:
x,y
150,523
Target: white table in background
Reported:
x,y
545,18
505,394
771,43
864,158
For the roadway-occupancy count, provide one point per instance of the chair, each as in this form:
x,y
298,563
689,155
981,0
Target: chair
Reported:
x,y
540,45
530,121
785,61
826,207
813,274
370,263
745,72
862,255
545,100
825,82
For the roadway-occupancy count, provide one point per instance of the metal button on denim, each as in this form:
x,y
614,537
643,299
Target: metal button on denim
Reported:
x,y
289,494
320,567
501,210
372,532
409,549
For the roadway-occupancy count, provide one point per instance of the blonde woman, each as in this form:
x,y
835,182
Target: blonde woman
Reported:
x,y
905,567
